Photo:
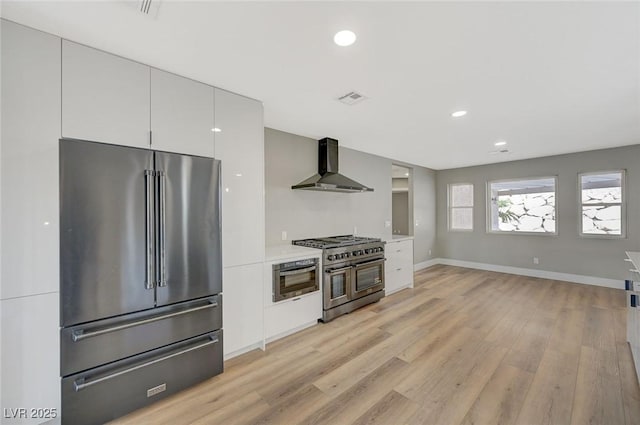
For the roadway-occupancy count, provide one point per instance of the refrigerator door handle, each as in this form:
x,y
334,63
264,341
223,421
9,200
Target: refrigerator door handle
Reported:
x,y
149,177
81,384
162,278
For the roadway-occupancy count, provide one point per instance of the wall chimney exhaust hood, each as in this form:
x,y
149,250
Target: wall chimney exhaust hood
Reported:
x,y
328,179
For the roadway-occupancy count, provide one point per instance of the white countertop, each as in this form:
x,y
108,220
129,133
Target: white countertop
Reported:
x,y
635,258
398,238
284,252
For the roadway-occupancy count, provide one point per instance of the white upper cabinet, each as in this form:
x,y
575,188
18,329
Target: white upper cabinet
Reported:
x,y
240,146
105,98
182,118
29,161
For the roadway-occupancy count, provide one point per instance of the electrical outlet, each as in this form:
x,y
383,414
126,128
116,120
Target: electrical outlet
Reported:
x,y
355,230
387,223
284,235
536,260
429,253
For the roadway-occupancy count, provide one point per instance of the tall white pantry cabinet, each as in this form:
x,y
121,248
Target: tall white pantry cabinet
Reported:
x,y
54,88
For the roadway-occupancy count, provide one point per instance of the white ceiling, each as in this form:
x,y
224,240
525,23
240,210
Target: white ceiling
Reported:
x,y
549,78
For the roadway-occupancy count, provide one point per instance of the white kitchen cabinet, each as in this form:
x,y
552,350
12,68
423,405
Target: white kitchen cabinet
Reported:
x,y
182,117
240,146
29,161
105,98
399,266
242,309
633,308
30,353
286,317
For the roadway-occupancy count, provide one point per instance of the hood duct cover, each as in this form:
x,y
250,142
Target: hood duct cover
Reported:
x,y
328,179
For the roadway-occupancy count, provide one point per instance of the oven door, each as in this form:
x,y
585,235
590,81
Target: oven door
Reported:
x,y
368,277
294,282
337,285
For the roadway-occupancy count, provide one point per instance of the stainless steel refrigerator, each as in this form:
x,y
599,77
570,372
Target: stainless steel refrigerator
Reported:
x,y
140,277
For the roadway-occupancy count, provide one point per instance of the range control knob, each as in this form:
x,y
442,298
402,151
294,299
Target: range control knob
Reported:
x,y
330,257
354,253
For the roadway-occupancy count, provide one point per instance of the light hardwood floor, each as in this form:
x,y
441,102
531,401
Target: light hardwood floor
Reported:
x,y
463,347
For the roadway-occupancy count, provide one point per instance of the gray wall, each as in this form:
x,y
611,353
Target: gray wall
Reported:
x,y
567,252
424,214
400,207
290,158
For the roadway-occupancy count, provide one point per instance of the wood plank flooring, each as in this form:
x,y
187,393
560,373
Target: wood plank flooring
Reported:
x,y
463,347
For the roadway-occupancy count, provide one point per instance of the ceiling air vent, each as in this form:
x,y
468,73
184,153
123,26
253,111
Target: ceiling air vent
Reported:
x,y
352,98
496,152
149,7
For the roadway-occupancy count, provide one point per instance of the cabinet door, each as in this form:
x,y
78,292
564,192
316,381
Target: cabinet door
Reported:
x,y
181,114
242,308
240,146
30,368
29,160
105,98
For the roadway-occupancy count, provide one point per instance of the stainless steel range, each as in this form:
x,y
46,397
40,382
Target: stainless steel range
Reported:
x,y
353,272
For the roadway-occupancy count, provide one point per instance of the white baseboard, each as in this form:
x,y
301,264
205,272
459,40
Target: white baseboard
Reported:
x,y
290,331
426,264
243,350
544,274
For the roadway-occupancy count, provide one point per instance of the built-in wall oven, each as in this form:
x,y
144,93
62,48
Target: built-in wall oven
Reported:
x,y
295,278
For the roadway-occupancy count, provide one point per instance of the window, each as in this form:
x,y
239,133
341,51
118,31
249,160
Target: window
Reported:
x,y
602,203
461,206
522,206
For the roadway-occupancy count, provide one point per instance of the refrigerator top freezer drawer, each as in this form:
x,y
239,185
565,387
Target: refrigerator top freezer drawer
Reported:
x,y
93,344
108,392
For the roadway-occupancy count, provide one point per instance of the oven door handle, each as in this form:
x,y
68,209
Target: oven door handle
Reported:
x,y
368,263
296,271
342,269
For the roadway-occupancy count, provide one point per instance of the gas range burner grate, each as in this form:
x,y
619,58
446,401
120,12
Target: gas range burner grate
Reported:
x,y
335,241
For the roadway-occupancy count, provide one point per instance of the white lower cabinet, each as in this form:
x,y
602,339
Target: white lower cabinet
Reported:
x,y
399,266
633,309
242,309
289,316
30,357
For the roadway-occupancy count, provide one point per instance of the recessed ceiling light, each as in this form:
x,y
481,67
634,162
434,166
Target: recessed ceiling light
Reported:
x,y
458,114
344,38
216,130
500,143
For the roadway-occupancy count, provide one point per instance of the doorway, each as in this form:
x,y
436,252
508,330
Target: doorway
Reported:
x,y
402,200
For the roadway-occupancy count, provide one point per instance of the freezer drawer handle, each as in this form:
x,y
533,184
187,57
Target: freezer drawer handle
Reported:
x,y
81,384
79,335
150,230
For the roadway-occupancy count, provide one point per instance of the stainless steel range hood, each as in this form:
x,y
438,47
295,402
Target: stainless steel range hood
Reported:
x,y
328,179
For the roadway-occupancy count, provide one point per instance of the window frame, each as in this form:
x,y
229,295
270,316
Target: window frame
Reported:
x,y
623,205
450,207
505,232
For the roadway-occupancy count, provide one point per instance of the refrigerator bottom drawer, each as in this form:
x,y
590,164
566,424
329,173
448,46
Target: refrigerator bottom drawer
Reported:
x,y
90,345
105,393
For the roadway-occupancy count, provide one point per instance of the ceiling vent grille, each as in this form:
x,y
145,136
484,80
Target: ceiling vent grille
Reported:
x,y
499,151
149,7
352,98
